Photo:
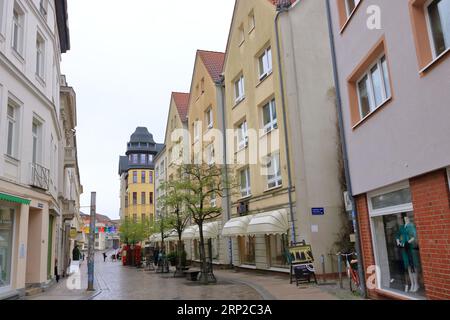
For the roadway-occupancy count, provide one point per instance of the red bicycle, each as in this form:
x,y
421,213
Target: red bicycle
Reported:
x,y
352,270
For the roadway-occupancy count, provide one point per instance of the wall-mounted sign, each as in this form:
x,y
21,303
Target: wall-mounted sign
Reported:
x,y
348,202
318,211
40,205
73,233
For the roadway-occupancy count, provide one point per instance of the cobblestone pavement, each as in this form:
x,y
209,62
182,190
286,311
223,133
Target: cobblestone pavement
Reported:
x,y
115,282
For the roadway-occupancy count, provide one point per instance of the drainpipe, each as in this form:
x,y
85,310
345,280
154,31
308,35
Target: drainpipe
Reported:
x,y
221,85
283,6
345,154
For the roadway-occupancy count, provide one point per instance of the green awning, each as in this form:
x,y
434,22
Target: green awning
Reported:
x,y
10,198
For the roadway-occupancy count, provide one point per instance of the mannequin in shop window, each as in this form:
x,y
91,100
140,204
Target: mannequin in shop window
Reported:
x,y
407,242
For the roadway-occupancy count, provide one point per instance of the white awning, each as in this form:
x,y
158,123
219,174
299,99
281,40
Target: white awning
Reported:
x,y
236,227
274,222
172,235
156,237
189,233
211,230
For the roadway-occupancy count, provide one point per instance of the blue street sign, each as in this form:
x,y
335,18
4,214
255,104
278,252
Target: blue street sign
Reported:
x,y
318,211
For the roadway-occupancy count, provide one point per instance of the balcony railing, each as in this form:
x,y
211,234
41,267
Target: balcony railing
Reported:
x,y
39,176
69,157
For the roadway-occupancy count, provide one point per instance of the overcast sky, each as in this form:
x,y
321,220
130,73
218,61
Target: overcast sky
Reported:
x,y
126,58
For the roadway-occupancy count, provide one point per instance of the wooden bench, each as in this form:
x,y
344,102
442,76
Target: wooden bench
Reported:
x,y
192,274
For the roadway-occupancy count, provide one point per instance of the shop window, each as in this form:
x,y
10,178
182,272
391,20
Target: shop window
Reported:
x,y
431,30
277,245
370,84
247,250
6,245
395,239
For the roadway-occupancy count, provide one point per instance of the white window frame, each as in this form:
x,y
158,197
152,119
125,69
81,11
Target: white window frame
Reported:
x,y
20,25
213,200
40,56
196,131
13,249
2,19
243,135
265,60
246,190
239,89
275,164
273,124
407,207
210,154
370,89
209,118
347,9
430,32
37,141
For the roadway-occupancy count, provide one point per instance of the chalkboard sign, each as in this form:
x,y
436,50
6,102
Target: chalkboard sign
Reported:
x,y
301,260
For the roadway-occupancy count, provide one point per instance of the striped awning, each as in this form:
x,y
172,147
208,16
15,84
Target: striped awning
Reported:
x,y
14,199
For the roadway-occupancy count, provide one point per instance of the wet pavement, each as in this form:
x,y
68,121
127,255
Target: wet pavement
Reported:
x,y
116,282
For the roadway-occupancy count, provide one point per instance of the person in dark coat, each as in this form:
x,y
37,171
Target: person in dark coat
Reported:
x,y
76,254
104,256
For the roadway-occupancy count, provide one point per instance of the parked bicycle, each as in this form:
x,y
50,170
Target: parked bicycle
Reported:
x,y
352,270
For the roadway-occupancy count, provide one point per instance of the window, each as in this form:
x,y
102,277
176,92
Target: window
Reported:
x,y
18,29
143,158
135,177
396,244
2,4
11,149
270,116
277,245
210,154
438,20
126,201
245,182
247,249
6,245
196,131
213,200
208,119
37,141
151,197
241,34
150,177
150,158
239,89
251,21
350,6
274,172
243,135
40,57
135,201
265,64
374,88
143,175
43,8
134,158
202,86
143,197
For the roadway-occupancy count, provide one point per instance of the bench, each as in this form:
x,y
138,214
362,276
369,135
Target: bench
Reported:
x,y
192,275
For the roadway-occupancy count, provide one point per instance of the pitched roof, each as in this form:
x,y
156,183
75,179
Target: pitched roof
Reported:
x,y
182,103
213,62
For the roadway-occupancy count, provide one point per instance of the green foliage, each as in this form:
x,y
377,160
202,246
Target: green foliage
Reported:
x,y
134,232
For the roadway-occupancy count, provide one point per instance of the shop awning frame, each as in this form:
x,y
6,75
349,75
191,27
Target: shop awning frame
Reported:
x,y
236,227
269,223
14,199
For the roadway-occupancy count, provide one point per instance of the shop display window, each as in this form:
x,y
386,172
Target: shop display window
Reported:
x,y
6,243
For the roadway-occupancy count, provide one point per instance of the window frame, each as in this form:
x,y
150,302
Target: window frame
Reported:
x,y
37,151
263,74
11,136
242,128
276,180
251,21
143,198
209,117
246,191
432,41
210,154
273,123
40,56
20,49
135,177
143,177
239,87
371,88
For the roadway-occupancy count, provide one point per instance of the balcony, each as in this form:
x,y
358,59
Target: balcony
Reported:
x,y
68,209
70,158
39,176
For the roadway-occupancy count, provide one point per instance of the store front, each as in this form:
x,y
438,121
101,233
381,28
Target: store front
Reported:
x,y
396,242
7,214
247,247
276,249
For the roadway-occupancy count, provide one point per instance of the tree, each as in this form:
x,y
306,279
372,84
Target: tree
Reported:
x,y
134,232
201,184
172,202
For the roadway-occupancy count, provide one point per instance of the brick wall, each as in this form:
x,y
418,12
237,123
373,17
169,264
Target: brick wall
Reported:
x,y
431,201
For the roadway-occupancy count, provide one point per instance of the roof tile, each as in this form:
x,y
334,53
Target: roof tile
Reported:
x,y
182,103
214,63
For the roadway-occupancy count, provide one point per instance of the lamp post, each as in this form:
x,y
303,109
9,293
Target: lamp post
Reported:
x,y
91,248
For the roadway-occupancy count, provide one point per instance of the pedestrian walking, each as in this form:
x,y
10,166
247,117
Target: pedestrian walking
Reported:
x,y
76,254
104,257
56,271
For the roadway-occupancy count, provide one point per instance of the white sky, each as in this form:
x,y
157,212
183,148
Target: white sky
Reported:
x,y
126,58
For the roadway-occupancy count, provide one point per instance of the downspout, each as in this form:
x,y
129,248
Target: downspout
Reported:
x,y
284,7
345,154
221,85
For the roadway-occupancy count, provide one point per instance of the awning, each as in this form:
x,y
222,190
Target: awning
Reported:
x,y
211,230
14,199
275,222
189,233
156,237
172,235
236,227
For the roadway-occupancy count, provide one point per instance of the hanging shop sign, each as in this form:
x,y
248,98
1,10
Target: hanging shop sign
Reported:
x,y
73,233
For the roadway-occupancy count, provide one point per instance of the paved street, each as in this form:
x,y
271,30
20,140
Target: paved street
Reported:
x,y
115,282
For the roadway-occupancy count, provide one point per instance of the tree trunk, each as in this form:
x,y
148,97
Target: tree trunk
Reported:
x,y
204,266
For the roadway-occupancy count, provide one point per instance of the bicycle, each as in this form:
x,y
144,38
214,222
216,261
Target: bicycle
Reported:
x,y
352,270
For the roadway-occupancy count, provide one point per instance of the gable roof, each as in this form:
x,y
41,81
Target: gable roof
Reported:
x,y
213,62
182,102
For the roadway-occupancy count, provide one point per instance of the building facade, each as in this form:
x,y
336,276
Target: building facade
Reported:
x,y
33,35
394,102
136,171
